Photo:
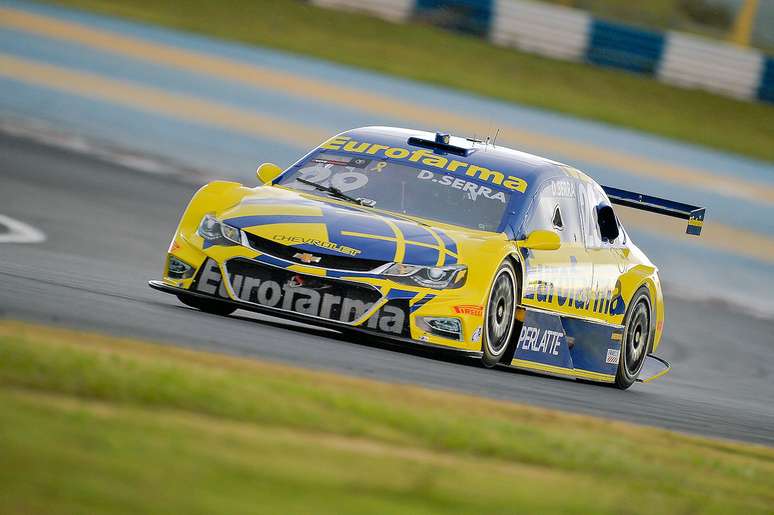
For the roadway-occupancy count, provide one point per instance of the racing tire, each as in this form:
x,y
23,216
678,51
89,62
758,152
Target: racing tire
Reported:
x,y
213,307
637,338
499,315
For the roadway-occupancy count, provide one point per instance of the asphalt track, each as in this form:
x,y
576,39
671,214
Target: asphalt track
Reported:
x,y
108,226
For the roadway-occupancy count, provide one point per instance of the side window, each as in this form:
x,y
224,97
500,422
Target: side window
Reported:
x,y
541,214
608,224
556,209
601,225
557,221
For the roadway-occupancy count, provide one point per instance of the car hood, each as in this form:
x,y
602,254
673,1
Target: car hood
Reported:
x,y
317,226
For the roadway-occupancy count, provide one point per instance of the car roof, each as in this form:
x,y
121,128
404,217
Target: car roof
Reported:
x,y
533,169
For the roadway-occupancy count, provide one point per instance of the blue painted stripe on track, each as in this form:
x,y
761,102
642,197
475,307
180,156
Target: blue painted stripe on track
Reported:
x,y
218,151
84,59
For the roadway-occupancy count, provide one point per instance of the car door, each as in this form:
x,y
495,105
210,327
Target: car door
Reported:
x,y
557,280
605,244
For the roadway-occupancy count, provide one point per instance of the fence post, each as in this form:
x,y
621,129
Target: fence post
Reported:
x,y
743,24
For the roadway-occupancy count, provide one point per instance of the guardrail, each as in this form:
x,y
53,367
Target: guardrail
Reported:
x,y
572,34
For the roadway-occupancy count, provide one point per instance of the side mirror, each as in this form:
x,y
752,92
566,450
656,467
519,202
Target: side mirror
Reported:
x,y
267,172
542,240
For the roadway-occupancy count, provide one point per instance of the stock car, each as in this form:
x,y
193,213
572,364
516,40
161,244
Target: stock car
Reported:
x,y
435,240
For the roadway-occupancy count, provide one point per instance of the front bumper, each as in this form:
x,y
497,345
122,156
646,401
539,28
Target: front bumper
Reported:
x,y
330,324
378,305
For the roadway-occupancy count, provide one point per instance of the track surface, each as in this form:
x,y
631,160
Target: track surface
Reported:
x,y
108,228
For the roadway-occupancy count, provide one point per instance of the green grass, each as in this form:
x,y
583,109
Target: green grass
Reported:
x,y
435,56
92,424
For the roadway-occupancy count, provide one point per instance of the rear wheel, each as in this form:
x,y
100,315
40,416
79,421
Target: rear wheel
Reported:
x,y
214,307
637,336
499,315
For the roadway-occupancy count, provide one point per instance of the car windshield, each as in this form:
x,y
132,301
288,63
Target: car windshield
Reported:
x,y
404,189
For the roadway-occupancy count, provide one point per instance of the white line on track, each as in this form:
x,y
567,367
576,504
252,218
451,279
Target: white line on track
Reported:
x,y
19,232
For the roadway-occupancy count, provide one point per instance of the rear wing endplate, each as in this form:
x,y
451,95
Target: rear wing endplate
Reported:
x,y
694,214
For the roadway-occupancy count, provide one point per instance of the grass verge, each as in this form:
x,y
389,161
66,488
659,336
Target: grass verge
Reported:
x,y
469,64
93,424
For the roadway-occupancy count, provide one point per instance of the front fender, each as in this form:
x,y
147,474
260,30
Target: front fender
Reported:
x,y
214,196
186,243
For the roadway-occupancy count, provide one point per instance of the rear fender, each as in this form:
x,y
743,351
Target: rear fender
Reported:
x,y
635,278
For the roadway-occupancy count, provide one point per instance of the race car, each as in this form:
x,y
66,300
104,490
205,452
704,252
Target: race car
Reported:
x,y
435,240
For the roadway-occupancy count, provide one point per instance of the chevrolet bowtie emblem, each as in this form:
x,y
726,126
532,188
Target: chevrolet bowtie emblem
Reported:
x,y
306,257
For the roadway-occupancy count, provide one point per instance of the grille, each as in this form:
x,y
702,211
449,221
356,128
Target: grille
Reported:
x,y
337,262
305,294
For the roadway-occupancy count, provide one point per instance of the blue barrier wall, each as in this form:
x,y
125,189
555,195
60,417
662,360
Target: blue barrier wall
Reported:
x,y
622,46
469,16
766,87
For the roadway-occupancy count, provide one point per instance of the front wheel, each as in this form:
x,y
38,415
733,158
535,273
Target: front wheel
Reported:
x,y
637,336
214,307
499,316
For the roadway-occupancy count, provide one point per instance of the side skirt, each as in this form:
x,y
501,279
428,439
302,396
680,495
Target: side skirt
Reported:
x,y
569,347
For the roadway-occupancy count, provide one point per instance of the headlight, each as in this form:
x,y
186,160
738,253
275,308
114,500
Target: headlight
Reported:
x,y
231,233
438,277
209,229
213,229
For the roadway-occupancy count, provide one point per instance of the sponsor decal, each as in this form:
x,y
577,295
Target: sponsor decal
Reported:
x,y
563,290
327,245
562,188
473,190
424,338
427,158
536,340
477,334
300,294
613,355
469,309
306,257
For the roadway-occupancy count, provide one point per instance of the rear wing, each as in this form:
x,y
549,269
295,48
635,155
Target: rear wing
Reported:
x,y
662,206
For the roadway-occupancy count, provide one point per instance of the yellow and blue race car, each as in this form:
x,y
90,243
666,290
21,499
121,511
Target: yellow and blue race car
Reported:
x,y
435,240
